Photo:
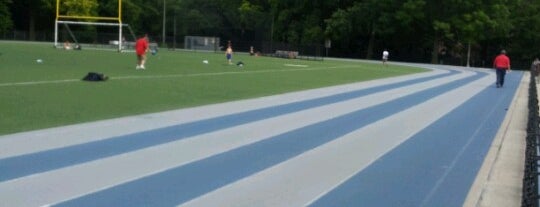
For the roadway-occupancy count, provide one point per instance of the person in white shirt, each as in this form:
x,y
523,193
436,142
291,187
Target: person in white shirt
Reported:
x,y
385,55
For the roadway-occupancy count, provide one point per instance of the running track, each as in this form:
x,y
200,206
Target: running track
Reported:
x,y
416,140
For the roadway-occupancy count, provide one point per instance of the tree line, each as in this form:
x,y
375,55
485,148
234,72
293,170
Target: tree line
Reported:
x,y
458,32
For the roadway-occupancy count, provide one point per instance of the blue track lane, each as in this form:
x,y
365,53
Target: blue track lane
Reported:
x,y
20,166
180,184
437,166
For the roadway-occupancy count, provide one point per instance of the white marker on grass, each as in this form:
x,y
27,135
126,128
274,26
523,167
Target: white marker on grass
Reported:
x,y
293,65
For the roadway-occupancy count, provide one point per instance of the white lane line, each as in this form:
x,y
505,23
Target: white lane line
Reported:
x,y
27,83
307,177
104,173
458,156
46,139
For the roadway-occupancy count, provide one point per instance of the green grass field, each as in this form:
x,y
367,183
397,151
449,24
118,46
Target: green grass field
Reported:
x,y
48,94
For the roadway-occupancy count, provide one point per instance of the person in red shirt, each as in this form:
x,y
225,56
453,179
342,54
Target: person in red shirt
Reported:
x,y
141,47
501,65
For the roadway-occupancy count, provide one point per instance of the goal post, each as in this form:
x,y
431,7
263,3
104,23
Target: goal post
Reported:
x,y
89,20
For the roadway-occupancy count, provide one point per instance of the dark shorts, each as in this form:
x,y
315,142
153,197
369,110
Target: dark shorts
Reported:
x,y
229,56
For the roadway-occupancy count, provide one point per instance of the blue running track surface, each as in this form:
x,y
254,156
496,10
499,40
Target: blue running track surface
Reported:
x,y
434,166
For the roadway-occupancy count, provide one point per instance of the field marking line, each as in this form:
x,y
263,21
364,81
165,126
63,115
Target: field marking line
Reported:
x,y
294,65
170,76
38,82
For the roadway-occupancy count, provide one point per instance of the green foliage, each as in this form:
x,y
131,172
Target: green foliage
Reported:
x,y
5,16
443,28
32,15
79,7
410,12
525,30
312,34
356,28
339,27
250,14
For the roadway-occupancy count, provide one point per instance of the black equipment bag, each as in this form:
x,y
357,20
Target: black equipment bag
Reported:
x,y
93,76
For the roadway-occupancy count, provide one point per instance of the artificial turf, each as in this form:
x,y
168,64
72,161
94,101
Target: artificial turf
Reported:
x,y
36,95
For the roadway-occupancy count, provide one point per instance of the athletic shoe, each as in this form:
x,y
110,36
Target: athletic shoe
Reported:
x,y
137,68
142,67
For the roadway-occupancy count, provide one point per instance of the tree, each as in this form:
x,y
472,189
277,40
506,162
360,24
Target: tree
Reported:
x,y
35,14
249,14
413,30
339,26
5,16
300,22
468,25
370,19
457,23
79,7
524,34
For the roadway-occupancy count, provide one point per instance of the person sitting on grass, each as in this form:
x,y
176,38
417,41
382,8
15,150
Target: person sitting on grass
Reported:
x,y
67,45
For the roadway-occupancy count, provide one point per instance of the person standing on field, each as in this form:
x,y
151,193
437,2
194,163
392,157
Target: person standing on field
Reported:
x,y
385,55
141,47
501,65
229,53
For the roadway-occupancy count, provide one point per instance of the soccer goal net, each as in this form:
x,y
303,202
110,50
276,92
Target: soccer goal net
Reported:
x,y
88,30
104,35
201,43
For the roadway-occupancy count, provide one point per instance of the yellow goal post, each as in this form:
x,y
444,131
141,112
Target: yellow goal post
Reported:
x,y
89,20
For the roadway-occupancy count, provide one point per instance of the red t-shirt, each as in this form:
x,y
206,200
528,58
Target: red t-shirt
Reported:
x,y
141,46
502,61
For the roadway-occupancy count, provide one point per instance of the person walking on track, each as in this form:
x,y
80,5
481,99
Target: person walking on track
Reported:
x,y
501,65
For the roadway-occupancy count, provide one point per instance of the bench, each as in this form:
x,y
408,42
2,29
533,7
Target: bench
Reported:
x,y
286,54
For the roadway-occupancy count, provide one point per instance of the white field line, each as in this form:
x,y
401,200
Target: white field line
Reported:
x,y
38,82
171,76
293,65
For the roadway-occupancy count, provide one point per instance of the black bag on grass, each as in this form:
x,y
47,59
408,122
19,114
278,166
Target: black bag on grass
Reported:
x,y
93,76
